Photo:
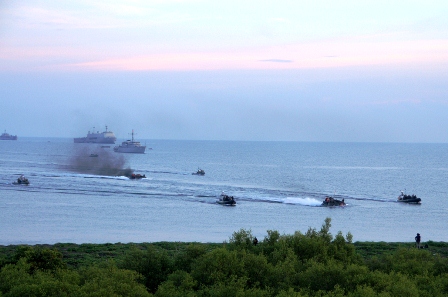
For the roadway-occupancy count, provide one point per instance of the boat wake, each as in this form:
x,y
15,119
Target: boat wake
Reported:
x,y
303,201
372,199
82,175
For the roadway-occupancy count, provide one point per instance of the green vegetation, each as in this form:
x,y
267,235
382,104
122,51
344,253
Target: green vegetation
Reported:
x,y
312,264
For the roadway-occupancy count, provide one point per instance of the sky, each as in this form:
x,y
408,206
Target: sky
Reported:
x,y
345,71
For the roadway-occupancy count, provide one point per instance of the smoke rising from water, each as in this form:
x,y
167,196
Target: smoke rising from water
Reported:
x,y
106,163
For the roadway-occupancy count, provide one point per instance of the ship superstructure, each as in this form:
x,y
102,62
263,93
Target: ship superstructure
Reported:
x,y
103,137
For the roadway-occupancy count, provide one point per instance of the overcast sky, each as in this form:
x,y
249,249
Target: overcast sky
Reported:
x,y
370,71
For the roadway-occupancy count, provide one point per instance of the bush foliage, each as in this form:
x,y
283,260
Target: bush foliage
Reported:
x,y
312,264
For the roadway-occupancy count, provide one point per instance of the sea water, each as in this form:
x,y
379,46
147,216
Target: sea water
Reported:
x,y
277,185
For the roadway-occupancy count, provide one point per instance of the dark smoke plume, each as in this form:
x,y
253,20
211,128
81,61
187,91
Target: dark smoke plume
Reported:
x,y
95,160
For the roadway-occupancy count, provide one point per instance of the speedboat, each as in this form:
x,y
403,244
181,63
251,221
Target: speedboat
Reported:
x,y
226,200
330,201
199,172
22,180
412,199
136,176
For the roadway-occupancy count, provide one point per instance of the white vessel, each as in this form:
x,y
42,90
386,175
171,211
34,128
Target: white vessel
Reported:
x,y
104,137
6,136
130,146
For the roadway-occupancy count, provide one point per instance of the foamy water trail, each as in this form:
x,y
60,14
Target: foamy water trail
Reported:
x,y
302,201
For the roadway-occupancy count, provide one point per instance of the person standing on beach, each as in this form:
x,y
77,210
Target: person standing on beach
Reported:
x,y
417,240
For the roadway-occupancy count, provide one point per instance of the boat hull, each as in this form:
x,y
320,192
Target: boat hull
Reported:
x,y
226,200
110,140
21,183
130,150
410,199
136,176
227,203
330,201
6,136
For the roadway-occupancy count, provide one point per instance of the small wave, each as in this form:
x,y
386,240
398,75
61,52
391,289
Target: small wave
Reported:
x,y
83,175
372,199
302,201
165,172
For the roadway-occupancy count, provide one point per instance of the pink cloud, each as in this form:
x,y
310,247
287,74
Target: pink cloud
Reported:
x,y
312,55
323,54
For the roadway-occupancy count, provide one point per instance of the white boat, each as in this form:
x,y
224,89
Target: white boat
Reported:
x,y
130,146
103,137
6,136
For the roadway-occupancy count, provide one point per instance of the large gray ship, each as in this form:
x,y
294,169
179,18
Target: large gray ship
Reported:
x,y
130,146
6,136
103,137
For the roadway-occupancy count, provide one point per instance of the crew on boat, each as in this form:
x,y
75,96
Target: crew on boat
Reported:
x,y
329,199
22,179
138,175
225,197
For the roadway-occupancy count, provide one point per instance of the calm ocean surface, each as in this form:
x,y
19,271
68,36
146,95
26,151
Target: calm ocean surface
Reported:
x,y
277,186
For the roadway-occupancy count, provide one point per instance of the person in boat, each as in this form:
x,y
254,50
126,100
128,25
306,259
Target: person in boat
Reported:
x,y
22,179
417,240
137,176
227,198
